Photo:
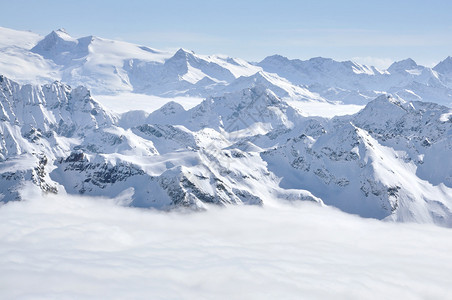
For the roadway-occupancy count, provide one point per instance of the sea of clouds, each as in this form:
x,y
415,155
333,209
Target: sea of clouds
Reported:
x,y
66,247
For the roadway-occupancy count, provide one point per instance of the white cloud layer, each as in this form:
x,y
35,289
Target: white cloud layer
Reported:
x,y
64,247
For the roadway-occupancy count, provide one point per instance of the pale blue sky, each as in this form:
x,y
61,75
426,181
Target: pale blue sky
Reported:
x,y
368,31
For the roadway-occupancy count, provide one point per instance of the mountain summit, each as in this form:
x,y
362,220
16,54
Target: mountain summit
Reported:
x,y
109,67
245,147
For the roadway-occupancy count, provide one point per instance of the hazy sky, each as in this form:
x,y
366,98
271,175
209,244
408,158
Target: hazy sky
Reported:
x,y
367,31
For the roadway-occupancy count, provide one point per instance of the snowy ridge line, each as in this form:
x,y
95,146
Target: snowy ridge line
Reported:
x,y
389,161
109,67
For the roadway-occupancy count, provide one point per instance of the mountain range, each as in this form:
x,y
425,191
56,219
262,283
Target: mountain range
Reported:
x,y
243,144
108,67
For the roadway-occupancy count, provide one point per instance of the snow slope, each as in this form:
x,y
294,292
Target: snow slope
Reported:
x,y
19,63
61,140
353,83
376,163
388,161
93,61
109,67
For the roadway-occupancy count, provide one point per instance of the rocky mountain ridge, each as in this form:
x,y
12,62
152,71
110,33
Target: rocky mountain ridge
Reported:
x,y
389,161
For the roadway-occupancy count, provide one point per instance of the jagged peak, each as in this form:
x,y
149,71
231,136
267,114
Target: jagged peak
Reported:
x,y
385,100
183,52
262,89
447,59
406,64
384,97
60,34
61,30
444,66
181,56
171,106
57,99
164,113
254,92
260,75
54,39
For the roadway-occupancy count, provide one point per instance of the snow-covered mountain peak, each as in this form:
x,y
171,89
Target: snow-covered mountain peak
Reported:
x,y
171,107
57,39
108,67
53,106
258,91
298,71
445,66
194,73
403,65
248,108
257,108
252,95
380,107
330,65
61,48
181,58
62,33
317,70
278,85
387,98
276,58
170,113
181,52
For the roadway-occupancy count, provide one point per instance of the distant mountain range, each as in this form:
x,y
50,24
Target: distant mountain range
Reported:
x,y
108,67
